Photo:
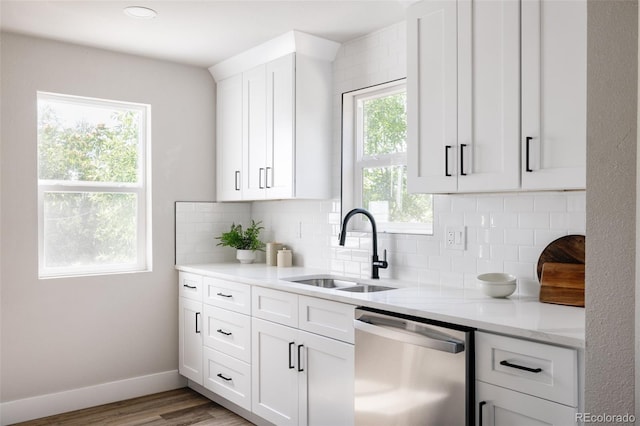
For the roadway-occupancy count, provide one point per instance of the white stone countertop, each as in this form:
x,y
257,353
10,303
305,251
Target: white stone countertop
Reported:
x,y
516,315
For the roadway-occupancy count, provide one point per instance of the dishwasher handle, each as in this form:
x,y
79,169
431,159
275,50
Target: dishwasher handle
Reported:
x,y
418,334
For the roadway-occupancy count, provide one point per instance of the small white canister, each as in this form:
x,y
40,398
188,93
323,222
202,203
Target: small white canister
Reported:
x,y
284,258
272,253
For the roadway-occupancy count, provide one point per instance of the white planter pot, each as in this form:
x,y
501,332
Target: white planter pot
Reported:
x,y
246,256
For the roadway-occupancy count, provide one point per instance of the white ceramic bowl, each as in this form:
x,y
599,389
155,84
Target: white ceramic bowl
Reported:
x,y
497,284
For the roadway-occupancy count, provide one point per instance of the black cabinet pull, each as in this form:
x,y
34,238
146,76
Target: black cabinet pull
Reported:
x,y
192,287
228,379
300,369
520,367
225,295
226,333
291,366
480,405
527,155
197,315
237,180
462,147
266,177
260,173
446,160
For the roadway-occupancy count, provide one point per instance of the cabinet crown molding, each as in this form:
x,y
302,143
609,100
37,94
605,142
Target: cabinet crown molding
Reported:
x,y
289,42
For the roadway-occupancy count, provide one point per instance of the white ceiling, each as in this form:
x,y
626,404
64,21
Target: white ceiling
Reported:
x,y
202,32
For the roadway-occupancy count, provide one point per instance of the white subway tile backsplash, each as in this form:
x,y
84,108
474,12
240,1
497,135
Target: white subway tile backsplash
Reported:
x,y
518,204
491,204
519,237
533,220
550,203
503,220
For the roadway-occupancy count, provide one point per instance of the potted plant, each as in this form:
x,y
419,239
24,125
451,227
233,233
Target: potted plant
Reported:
x,y
245,241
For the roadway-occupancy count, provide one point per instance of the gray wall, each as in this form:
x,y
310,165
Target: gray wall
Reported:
x,y
68,333
611,199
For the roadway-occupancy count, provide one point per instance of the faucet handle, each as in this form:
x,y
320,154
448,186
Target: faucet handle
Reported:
x,y
384,255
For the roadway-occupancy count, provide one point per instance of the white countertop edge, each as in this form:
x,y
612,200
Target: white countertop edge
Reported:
x,y
523,317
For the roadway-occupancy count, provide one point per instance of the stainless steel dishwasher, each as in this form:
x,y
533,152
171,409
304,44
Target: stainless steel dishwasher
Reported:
x,y
412,371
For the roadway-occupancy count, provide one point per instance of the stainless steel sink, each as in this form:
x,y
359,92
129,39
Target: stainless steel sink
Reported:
x,y
340,284
367,288
326,282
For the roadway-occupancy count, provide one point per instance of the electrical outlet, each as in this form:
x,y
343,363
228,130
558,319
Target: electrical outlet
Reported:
x,y
456,237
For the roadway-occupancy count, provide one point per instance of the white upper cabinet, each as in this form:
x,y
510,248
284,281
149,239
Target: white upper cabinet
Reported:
x,y
254,132
285,123
229,129
465,107
432,97
488,95
554,94
281,101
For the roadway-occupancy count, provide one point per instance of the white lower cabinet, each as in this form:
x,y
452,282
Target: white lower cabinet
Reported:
x,y
504,407
286,358
190,339
301,378
274,369
326,386
520,382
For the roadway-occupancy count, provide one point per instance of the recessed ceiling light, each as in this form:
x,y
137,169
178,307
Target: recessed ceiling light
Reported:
x,y
140,12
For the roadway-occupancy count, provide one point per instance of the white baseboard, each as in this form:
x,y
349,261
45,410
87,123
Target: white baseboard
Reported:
x,y
36,407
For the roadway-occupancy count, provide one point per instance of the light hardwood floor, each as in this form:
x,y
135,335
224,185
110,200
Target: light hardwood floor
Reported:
x,y
177,407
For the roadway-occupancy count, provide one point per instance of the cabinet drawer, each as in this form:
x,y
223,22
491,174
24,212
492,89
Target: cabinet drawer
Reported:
x,y
276,306
228,332
327,318
228,377
506,407
538,369
227,295
190,286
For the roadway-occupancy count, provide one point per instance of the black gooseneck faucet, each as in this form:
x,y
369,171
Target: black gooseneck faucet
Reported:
x,y
375,262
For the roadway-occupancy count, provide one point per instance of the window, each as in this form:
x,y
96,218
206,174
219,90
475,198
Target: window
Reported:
x,y
93,186
375,160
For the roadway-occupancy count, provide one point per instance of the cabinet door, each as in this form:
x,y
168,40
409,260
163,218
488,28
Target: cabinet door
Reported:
x,y
280,127
229,139
554,64
274,369
326,381
488,95
190,339
503,407
254,132
432,79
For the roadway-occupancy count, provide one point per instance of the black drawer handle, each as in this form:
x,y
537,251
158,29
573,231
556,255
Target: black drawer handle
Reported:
x,y
192,287
521,367
480,405
462,147
228,379
300,369
226,333
446,160
225,295
527,155
291,344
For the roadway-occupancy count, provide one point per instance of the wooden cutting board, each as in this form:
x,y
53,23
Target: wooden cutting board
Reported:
x,y
567,249
562,283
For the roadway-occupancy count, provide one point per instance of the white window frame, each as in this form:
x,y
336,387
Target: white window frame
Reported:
x,y
142,190
354,161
